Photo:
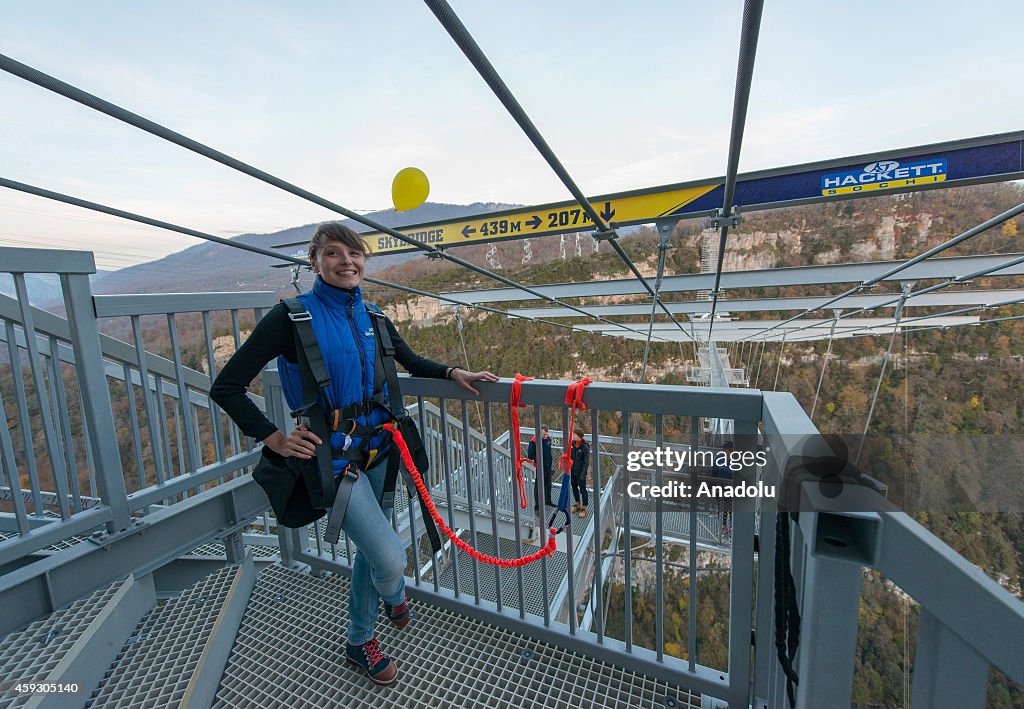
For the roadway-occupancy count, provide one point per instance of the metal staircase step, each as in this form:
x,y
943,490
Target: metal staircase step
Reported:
x,y
177,654
72,646
289,653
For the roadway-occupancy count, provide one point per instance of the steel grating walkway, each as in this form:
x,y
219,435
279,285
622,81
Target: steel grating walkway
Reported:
x,y
289,653
156,664
32,654
532,581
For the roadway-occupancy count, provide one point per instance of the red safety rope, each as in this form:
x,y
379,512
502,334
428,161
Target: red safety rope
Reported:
x,y
514,406
574,400
403,449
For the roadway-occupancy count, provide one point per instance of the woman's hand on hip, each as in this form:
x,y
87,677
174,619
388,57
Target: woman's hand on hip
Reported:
x,y
465,379
300,443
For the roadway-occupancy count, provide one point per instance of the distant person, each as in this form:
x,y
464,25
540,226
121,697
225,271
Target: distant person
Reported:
x,y
722,469
344,331
531,455
580,455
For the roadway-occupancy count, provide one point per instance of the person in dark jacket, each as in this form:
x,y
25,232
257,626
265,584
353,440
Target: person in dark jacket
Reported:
x,y
344,332
531,455
580,455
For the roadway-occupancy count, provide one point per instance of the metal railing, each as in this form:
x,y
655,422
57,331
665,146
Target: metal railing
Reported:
x,y
506,595
968,623
94,431
60,425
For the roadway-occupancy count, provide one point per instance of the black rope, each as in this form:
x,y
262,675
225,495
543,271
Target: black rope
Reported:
x,y
787,613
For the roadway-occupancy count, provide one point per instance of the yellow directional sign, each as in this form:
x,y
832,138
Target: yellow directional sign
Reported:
x,y
538,221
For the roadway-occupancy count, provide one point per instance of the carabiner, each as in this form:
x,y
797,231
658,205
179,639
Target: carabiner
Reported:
x,y
551,521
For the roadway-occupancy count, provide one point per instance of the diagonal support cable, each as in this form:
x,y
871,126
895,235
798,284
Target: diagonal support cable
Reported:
x,y
73,93
824,363
751,28
96,207
881,375
948,244
464,39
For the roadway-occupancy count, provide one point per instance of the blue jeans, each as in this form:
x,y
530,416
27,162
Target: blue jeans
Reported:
x,y
378,570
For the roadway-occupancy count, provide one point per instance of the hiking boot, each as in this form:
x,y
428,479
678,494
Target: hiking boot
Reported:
x,y
400,615
583,511
380,668
576,507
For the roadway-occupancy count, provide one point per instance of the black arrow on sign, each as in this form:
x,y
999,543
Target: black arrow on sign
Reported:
x,y
607,213
466,231
533,223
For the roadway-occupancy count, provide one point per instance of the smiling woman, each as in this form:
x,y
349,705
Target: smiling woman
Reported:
x,y
354,400
338,255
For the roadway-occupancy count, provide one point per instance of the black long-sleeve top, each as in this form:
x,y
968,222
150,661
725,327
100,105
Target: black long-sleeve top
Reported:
x,y
273,337
580,460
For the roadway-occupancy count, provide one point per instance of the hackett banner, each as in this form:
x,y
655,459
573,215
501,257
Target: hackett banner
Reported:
x,y
991,159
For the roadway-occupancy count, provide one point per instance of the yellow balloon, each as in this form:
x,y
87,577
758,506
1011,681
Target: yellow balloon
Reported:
x,y
409,188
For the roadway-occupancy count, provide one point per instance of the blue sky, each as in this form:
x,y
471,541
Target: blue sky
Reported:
x,y
338,96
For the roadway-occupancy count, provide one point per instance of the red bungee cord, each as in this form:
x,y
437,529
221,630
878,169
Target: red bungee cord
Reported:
x,y
403,449
514,406
574,400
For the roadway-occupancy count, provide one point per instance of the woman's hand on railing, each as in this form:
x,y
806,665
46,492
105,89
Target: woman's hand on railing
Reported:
x,y
300,443
465,379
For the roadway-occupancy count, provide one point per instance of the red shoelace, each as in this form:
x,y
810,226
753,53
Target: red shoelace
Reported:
x,y
373,652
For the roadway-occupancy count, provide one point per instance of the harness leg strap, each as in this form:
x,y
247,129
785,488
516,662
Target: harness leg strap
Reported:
x,y
340,506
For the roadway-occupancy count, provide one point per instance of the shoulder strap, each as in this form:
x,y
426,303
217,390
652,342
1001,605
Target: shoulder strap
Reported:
x,y
385,370
385,366
315,380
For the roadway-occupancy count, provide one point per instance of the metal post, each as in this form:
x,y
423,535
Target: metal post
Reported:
x,y
627,607
828,628
659,554
62,412
234,549
148,404
595,597
691,640
947,671
49,425
468,474
85,341
192,454
20,399
446,459
211,365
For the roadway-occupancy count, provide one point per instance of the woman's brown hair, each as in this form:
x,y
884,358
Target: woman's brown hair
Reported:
x,y
333,231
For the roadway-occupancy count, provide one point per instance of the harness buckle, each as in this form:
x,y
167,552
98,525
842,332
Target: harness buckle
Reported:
x,y
350,471
300,317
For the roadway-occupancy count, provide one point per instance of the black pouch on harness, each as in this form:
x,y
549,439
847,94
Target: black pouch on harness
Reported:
x,y
417,450
288,483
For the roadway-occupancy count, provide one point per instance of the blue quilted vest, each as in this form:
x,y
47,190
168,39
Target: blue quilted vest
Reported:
x,y
344,331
